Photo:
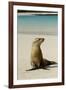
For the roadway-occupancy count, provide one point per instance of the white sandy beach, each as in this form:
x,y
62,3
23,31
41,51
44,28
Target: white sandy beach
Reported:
x,y
49,48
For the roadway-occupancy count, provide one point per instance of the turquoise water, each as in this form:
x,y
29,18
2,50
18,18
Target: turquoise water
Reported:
x,y
46,24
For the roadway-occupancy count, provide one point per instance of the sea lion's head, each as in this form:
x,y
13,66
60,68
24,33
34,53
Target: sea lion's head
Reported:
x,y
38,41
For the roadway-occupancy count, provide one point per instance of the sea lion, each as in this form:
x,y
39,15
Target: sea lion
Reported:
x,y
37,60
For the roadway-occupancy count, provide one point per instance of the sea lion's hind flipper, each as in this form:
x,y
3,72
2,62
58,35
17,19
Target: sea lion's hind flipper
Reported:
x,y
48,62
53,62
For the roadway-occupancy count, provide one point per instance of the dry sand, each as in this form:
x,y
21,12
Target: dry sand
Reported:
x,y
49,49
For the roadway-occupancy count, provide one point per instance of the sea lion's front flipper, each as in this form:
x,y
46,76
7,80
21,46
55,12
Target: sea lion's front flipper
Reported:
x,y
32,69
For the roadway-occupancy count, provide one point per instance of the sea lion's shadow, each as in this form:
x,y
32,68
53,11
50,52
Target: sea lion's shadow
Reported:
x,y
47,67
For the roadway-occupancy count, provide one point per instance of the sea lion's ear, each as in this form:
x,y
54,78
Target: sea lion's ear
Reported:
x,y
36,39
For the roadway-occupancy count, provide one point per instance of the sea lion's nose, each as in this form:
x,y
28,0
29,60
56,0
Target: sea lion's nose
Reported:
x,y
43,39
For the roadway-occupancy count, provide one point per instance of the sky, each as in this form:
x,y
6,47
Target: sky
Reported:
x,y
37,24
